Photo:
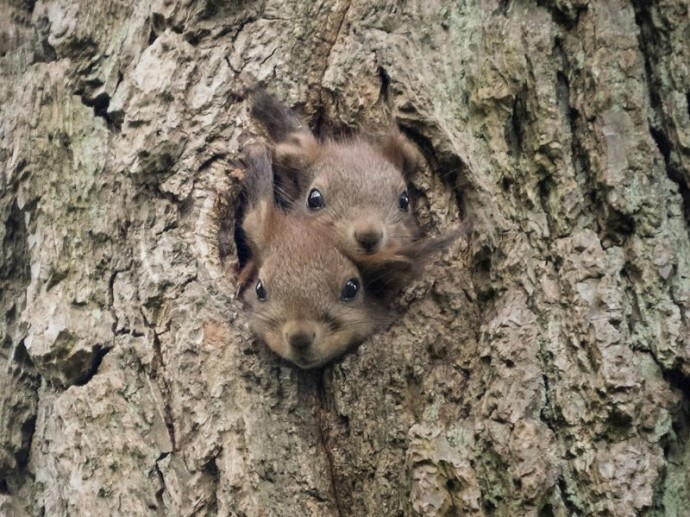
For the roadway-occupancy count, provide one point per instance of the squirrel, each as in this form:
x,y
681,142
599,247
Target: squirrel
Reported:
x,y
309,303
356,188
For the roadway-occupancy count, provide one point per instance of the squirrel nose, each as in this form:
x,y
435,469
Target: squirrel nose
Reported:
x,y
300,334
368,236
301,340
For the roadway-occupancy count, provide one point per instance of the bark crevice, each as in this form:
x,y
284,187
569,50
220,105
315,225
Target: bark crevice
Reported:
x,y
99,353
158,371
324,61
322,407
653,45
160,502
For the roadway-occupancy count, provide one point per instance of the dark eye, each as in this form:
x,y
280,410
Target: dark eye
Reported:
x,y
404,201
315,199
260,291
350,289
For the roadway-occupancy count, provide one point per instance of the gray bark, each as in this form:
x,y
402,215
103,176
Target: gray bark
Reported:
x,y
540,366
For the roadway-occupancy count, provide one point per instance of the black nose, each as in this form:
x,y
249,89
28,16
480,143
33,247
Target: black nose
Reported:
x,y
369,239
301,340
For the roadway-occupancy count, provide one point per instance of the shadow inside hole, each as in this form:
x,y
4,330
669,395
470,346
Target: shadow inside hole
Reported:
x,y
448,167
244,252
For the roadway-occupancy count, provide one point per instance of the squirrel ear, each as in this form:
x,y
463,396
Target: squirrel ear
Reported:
x,y
298,152
258,174
259,227
244,279
261,213
293,158
398,150
295,147
278,121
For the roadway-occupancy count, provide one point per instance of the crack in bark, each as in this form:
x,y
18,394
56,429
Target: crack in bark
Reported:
x,y
578,156
341,22
211,506
111,300
321,407
227,61
158,372
235,35
680,434
331,44
21,416
565,497
100,105
99,353
652,43
385,82
159,493
680,430
568,17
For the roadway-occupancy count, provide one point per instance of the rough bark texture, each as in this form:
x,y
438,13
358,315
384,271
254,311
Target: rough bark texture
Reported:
x,y
540,367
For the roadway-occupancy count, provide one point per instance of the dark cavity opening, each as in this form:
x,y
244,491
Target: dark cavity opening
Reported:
x,y
99,354
244,253
674,174
514,131
385,82
450,167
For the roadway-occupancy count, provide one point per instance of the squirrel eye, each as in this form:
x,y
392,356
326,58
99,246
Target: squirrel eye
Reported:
x,y
350,289
315,199
260,291
404,201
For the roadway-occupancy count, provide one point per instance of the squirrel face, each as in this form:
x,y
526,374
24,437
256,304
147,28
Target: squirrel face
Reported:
x,y
307,300
352,189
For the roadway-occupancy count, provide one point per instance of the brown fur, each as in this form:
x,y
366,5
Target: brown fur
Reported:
x,y
303,273
400,152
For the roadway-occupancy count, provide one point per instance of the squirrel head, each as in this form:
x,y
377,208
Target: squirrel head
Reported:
x,y
352,188
356,187
307,301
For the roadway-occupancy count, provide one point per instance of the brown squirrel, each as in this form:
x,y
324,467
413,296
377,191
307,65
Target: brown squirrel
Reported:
x,y
309,302
355,186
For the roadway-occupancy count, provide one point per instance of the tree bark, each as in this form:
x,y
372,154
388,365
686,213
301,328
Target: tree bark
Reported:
x,y
540,366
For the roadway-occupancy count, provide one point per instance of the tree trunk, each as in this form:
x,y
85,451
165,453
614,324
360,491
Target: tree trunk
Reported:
x,y
539,367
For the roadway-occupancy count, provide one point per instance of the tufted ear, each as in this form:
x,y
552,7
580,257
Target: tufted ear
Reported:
x,y
292,160
278,121
298,152
295,145
398,150
295,149
260,216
